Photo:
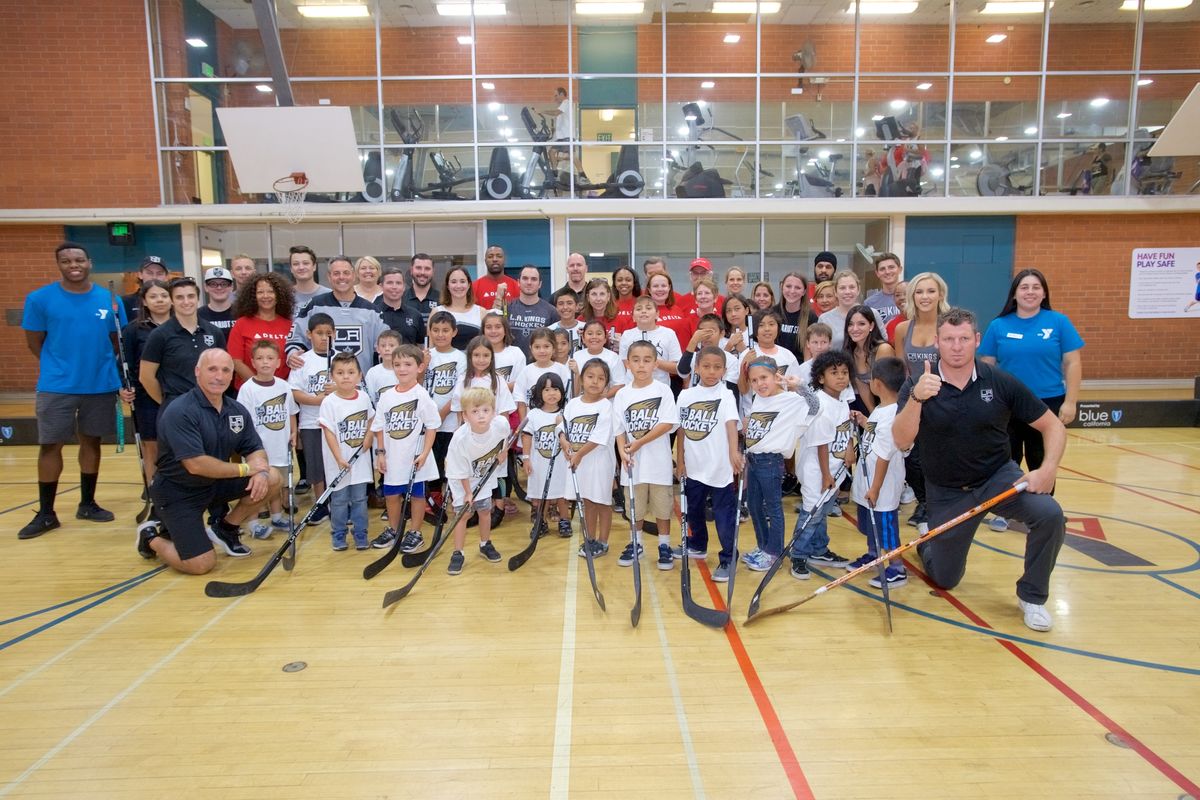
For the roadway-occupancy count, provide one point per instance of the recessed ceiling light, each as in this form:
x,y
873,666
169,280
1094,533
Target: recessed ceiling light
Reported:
x,y
595,255
502,117
732,38
682,130
487,85
607,114
860,132
954,158
1144,81
1001,138
333,12
1031,130
741,7
465,40
493,106
464,9
976,155
955,166
1015,7
512,139
925,87
708,84
264,88
883,7
996,38
937,172
897,105
823,154
1156,5
876,118
1063,115
608,9
1098,102
195,41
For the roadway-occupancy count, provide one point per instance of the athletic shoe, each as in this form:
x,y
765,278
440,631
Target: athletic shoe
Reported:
x,y
319,516
759,561
835,511
361,544
693,553
497,517
895,577
598,548
861,561
800,570
923,528
743,514
411,542
281,525
384,540
228,538
666,559
302,487
43,521
998,524
260,530
829,558
145,532
919,515
1036,616
564,529
339,543
721,573
626,558
907,496
748,557
94,513
457,559
488,551
543,530
618,503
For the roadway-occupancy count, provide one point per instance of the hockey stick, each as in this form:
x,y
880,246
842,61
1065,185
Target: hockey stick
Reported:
x,y
380,564
737,529
825,497
883,584
705,616
636,613
587,542
888,556
128,384
518,561
223,589
396,595
289,558
411,560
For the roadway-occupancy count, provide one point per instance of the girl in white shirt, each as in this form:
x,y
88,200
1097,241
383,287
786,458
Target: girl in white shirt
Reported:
x,y
588,443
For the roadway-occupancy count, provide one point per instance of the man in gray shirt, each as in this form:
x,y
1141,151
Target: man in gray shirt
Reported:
x,y
529,311
883,300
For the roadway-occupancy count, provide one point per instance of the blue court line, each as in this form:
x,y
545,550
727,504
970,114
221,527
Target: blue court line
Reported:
x,y
995,634
81,598
1175,585
32,502
75,613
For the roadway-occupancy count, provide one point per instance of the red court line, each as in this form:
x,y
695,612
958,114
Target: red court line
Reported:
x,y
1152,758
783,747
1128,489
1136,452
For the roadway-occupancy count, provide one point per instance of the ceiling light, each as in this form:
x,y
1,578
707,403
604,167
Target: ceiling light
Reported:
x,y
925,87
1156,5
488,85
954,158
690,117
1015,7
493,106
860,132
1001,138
595,255
1031,130
741,7
506,133
976,155
333,12
732,38
512,139
1098,102
708,84
502,117
996,38
464,9
898,105
196,42
955,166
607,114
1144,81
823,154
465,40
1064,115
882,7
876,118
264,88
682,130
937,172
608,9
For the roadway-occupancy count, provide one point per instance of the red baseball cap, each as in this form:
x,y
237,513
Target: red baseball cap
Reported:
x,y
702,264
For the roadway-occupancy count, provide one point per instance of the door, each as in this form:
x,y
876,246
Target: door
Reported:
x,y
973,254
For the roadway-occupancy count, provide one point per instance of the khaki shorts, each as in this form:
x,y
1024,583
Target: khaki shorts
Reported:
x,y
653,501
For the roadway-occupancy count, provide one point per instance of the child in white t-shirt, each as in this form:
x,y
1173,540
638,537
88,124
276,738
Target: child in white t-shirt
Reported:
x,y
445,364
540,443
708,334
588,442
481,371
273,409
474,448
311,384
707,459
595,339
382,376
345,419
666,343
567,304
510,359
644,413
541,347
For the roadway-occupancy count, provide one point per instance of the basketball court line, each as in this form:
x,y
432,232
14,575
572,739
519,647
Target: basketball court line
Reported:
x,y
81,598
1136,452
560,771
1134,486
60,492
1128,489
1158,576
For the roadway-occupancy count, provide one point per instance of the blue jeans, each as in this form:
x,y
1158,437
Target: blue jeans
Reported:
x,y
349,504
812,530
725,516
764,482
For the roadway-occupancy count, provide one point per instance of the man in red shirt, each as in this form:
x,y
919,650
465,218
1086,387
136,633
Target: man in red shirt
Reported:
x,y
701,268
487,287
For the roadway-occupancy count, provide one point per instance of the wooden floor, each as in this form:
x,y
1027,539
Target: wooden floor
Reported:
x,y
118,680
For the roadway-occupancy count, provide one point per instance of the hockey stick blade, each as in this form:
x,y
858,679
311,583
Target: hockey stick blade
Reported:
x,y
711,617
888,556
380,564
588,555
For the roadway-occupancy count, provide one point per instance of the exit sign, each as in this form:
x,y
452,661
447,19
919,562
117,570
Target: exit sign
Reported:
x,y
603,137
206,69
120,233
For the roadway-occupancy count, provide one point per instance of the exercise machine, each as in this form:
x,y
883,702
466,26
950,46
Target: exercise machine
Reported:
x,y
996,179
902,166
820,182
540,179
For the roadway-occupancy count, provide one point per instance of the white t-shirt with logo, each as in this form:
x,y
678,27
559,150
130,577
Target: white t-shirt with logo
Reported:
x,y
776,423
378,380
665,342
616,368
271,408
310,379
704,412
509,363
529,377
350,421
832,426
400,415
877,445
504,399
470,456
543,427
636,411
585,423
440,380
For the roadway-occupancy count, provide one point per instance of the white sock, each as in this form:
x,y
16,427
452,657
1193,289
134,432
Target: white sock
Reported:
x,y
664,538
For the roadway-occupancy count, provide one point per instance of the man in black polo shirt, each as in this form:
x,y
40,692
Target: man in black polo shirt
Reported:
x,y
421,292
197,435
172,349
960,412
401,316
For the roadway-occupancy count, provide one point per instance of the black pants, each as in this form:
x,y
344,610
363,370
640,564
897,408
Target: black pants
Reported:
x,y
945,557
913,474
1025,442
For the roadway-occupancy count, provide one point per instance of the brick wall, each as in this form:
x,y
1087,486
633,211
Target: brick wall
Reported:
x,y
1086,260
28,253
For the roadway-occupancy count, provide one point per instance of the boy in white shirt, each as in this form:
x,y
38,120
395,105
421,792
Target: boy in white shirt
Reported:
x,y
666,343
345,420
311,384
446,365
273,409
566,302
707,459
474,447
644,413
382,376
879,479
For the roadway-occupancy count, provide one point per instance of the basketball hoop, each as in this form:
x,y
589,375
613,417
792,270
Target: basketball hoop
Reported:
x,y
290,191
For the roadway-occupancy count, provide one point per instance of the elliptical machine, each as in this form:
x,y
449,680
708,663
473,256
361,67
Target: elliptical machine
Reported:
x,y
820,183
694,180
902,166
539,178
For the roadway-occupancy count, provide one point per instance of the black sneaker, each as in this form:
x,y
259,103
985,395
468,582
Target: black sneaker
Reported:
x,y
626,557
384,540
488,551
320,515
264,514
543,530
829,558
800,570
618,503
228,538
497,516
145,532
412,542
457,559
666,559
43,521
918,516
564,528
94,513
302,487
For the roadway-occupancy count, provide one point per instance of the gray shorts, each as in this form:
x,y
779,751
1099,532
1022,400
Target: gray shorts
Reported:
x,y
60,415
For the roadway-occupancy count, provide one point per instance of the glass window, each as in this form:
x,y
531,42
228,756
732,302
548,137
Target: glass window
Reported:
x,y
361,97
1086,106
672,239
392,245
731,243
813,169
523,110
824,110
722,43
405,50
790,244
218,43
902,107
227,241
605,243
324,239
1082,167
438,111
846,234
1078,41
450,244
1169,38
898,43
326,47
710,110
529,38
816,38
1159,97
992,169
997,42
987,107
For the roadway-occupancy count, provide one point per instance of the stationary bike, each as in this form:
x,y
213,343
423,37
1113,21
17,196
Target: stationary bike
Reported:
x,y
539,178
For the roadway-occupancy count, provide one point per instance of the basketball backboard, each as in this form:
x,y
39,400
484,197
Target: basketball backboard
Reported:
x,y
1181,137
269,143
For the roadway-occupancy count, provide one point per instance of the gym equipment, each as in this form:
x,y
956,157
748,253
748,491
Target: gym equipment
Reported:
x,y
404,184
902,166
539,178
820,182
694,180
996,180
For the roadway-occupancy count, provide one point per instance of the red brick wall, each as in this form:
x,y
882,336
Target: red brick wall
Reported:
x,y
28,253
1086,260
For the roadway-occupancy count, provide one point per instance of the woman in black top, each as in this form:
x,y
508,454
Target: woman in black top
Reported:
x,y
154,308
797,314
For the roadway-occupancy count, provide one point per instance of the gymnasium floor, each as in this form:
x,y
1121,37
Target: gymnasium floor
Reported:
x,y
118,679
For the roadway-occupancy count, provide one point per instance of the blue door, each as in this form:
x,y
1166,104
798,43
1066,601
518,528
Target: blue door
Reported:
x,y
525,241
973,254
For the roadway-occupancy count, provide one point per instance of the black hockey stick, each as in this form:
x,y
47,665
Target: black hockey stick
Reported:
x,y
737,529
223,589
705,616
289,558
518,561
128,384
757,598
587,542
396,595
635,614
380,564
883,584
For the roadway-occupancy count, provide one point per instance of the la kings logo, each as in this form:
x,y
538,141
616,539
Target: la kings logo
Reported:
x,y
401,420
579,430
642,416
484,462
353,429
543,440
699,419
444,376
272,414
348,339
758,425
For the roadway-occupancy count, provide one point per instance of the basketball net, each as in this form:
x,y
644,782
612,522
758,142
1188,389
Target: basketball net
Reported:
x,y
290,191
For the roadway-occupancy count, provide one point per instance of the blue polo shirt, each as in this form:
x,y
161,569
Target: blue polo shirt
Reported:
x,y
77,354
1032,349
190,426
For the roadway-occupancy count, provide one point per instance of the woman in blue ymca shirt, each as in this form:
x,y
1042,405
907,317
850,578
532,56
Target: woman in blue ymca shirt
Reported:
x,y
1039,346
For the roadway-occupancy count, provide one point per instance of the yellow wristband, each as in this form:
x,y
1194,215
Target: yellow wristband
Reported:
x,y
243,469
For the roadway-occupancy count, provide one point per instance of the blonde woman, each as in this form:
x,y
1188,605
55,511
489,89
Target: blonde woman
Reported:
x,y
366,278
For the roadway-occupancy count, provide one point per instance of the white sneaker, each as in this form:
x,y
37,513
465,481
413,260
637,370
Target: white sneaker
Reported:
x,y
1036,617
907,496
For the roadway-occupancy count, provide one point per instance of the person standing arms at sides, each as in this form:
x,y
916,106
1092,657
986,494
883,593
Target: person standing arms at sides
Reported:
x,y
155,310
303,263
528,312
273,412
847,290
420,290
242,268
345,419
172,350
1040,347
474,447
587,441
356,323
398,314
961,411
218,312
311,383
152,268
883,300
71,331
494,290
